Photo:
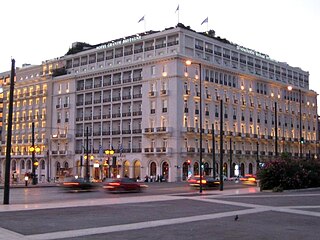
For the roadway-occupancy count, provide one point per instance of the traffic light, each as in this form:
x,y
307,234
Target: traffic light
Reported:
x,y
302,140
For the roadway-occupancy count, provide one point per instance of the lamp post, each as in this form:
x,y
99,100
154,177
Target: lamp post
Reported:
x,y
87,157
300,124
109,152
213,154
318,139
258,161
276,127
300,121
188,63
6,192
34,149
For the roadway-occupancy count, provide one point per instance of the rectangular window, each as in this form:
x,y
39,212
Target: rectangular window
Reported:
x,y
153,70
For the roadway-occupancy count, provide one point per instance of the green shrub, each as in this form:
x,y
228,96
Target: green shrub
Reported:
x,y
289,174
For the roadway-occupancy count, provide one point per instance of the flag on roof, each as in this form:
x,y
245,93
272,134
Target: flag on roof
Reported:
x,y
204,21
141,19
177,8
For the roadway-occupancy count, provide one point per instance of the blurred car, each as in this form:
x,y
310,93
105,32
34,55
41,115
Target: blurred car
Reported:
x,y
249,179
207,182
224,177
78,184
124,185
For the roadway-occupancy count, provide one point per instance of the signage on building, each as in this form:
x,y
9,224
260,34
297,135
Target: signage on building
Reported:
x,y
253,52
120,42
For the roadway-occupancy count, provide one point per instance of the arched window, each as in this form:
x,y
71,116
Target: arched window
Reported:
x,y
66,165
58,167
153,169
250,168
196,168
14,165
206,169
22,164
242,170
43,165
225,169
165,170
28,165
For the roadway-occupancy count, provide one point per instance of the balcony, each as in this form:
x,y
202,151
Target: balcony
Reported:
x,y
148,130
148,150
137,113
163,150
152,93
126,97
191,150
126,114
135,131
138,95
105,133
164,92
126,131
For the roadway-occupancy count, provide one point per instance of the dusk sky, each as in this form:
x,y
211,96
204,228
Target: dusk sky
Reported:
x,y
37,30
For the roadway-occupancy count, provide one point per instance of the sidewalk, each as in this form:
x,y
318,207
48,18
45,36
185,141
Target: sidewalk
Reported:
x,y
22,185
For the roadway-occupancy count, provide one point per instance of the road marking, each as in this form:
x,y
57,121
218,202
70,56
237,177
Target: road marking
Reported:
x,y
286,209
7,234
138,225
217,198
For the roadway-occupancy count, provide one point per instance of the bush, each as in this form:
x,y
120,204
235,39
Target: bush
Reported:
x,y
289,174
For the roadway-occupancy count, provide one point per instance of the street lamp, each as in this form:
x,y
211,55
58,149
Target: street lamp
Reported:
x,y
300,120
87,158
276,123
188,63
109,152
258,161
34,149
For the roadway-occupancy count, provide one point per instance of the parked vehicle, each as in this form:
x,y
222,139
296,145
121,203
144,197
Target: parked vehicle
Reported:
x,y
123,185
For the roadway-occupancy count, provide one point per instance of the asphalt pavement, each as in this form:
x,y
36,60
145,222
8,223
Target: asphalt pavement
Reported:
x,y
240,213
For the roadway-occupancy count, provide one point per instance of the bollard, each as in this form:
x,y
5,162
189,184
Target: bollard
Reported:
x,y
26,179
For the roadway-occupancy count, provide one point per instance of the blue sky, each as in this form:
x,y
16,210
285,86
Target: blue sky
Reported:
x,y
37,30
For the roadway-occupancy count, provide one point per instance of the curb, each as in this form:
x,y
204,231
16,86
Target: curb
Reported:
x,y
31,186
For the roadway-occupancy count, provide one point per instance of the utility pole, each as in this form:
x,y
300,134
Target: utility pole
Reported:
x,y
221,146
87,153
6,192
213,154
276,127
33,152
231,168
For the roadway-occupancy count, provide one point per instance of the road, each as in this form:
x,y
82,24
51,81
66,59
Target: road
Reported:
x,y
171,214
31,194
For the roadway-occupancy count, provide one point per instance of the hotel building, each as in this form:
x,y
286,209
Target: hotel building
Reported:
x,y
137,96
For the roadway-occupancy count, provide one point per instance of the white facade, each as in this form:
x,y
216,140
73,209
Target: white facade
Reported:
x,y
137,96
